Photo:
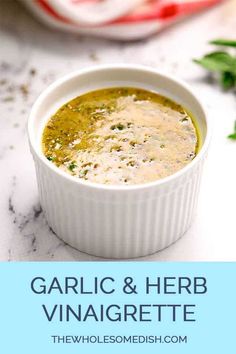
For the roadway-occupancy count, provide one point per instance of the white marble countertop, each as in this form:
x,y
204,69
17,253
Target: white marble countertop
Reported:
x,y
32,56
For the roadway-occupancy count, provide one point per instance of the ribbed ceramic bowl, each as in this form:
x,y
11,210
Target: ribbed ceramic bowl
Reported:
x,y
116,221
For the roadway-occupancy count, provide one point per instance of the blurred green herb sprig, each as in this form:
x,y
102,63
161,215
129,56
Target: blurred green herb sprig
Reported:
x,y
233,135
221,62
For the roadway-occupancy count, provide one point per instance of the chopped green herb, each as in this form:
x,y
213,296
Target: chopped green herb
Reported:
x,y
51,158
131,163
83,173
185,119
72,166
115,148
118,126
191,155
133,143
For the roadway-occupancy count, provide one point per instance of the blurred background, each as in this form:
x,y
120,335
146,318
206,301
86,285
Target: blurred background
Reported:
x,y
41,40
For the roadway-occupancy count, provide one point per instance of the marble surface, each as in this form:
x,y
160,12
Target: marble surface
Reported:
x,y
32,56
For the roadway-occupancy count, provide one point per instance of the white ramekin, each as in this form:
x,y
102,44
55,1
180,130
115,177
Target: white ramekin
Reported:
x,y
116,221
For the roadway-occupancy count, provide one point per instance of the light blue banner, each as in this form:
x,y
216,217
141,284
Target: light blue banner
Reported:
x,y
119,307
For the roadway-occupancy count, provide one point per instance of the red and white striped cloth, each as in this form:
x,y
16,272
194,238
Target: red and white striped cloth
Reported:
x,y
120,19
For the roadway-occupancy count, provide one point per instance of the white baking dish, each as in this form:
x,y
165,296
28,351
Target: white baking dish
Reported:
x,y
116,221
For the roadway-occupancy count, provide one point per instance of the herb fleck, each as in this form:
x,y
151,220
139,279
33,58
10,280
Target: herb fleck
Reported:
x,y
51,158
118,126
72,166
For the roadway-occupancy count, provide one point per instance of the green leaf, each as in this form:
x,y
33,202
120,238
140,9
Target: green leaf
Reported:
x,y
218,61
233,136
224,42
227,80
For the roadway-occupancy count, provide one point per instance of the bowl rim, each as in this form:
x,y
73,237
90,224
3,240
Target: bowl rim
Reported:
x,y
113,187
